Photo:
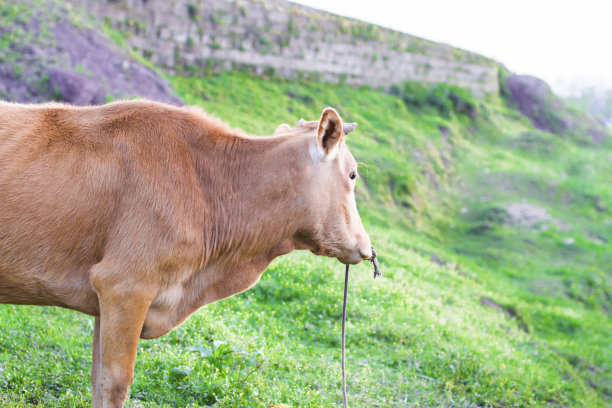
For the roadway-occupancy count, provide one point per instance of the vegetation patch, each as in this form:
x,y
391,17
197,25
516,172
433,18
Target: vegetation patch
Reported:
x,y
444,99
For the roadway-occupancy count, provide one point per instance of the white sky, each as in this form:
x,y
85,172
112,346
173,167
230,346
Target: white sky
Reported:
x,y
563,42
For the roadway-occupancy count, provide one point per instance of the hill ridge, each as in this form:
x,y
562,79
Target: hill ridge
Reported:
x,y
287,39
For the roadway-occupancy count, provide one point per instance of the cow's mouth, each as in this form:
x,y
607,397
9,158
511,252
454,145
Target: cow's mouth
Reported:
x,y
303,240
318,250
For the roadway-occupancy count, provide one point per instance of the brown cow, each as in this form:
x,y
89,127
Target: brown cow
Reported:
x,y
139,213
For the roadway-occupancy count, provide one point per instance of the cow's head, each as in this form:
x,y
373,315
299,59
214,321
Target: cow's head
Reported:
x,y
332,224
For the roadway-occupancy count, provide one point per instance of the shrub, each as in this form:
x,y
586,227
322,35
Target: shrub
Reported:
x,y
445,99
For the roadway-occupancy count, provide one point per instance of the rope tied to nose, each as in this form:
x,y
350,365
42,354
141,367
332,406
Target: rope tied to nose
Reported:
x,y
346,274
375,263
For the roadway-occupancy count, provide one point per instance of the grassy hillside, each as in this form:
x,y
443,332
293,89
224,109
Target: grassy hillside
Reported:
x,y
477,306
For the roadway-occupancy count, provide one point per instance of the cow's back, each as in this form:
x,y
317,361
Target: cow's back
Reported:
x,y
70,179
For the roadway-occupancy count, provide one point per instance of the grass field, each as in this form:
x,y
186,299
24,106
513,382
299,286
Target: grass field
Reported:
x,y
474,309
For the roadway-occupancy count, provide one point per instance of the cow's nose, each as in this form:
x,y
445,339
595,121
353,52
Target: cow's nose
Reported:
x,y
365,247
365,253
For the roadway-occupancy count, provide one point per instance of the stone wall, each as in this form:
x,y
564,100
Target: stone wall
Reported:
x,y
282,38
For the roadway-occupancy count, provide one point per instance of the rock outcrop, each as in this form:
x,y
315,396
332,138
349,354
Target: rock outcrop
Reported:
x,y
285,39
535,99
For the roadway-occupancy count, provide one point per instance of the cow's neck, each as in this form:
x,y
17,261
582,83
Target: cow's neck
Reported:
x,y
254,205
250,210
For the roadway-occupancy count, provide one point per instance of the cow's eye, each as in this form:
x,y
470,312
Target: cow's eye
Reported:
x,y
353,175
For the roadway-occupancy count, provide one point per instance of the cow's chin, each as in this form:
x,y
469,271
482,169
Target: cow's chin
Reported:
x,y
352,259
346,257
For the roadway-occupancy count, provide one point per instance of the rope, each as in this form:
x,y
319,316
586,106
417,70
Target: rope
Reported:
x,y
346,275
375,263
343,335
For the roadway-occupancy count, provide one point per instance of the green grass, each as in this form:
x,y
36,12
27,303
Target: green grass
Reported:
x,y
433,198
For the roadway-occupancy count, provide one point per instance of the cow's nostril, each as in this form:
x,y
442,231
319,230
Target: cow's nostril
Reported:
x,y
366,253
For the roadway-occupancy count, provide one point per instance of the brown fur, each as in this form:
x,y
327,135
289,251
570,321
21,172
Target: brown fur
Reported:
x,y
140,213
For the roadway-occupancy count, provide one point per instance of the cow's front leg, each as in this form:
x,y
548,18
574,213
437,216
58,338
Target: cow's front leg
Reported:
x,y
122,313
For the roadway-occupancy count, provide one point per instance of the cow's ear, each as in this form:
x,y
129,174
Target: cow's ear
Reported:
x,y
282,128
330,129
348,127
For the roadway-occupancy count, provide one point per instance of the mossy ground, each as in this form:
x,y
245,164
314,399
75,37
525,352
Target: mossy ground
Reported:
x,y
433,198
